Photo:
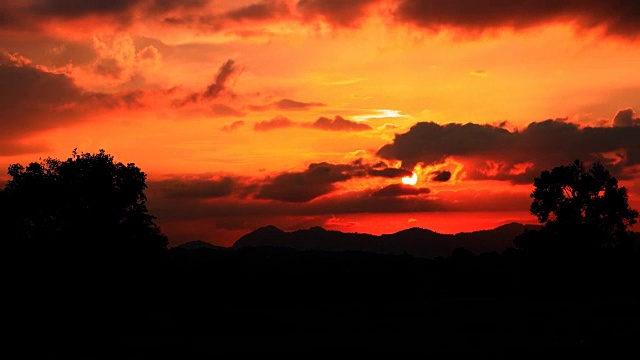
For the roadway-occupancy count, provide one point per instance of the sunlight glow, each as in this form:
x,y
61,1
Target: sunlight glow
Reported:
x,y
410,180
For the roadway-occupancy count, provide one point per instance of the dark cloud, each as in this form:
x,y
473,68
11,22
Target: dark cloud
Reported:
x,y
339,13
277,122
495,153
233,126
220,83
346,203
199,188
337,124
217,88
164,6
259,11
389,172
12,147
319,179
394,190
33,99
618,17
79,8
225,110
256,12
109,67
123,8
128,99
286,104
323,123
431,143
441,176
305,186
626,117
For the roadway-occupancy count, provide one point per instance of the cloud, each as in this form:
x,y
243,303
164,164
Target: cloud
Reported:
x,y
394,190
277,122
32,97
233,126
165,6
338,13
221,81
221,18
430,143
626,117
258,11
217,88
225,110
337,124
441,176
322,123
320,179
495,153
35,99
305,186
79,8
198,188
620,17
118,63
125,9
389,172
286,104
233,208
480,73
108,67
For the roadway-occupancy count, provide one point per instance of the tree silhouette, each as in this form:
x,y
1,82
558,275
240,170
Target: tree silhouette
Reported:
x,y
580,208
87,205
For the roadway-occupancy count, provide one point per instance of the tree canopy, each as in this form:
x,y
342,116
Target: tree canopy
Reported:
x,y
87,203
581,207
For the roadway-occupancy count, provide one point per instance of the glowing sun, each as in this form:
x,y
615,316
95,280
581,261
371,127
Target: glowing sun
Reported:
x,y
410,180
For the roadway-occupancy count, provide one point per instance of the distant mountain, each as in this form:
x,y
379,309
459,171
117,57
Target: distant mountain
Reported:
x,y
414,241
198,244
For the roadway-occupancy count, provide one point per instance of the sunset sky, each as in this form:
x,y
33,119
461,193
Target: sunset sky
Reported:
x,y
309,113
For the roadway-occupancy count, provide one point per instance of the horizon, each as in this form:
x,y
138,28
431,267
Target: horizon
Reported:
x,y
371,116
490,223
365,233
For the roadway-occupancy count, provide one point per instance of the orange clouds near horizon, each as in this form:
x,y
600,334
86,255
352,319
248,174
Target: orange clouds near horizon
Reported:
x,y
309,113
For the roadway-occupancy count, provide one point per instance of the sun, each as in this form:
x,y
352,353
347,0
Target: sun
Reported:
x,y
410,180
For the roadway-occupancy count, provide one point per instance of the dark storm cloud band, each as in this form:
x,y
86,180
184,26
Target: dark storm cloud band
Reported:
x,y
620,17
617,17
293,187
520,156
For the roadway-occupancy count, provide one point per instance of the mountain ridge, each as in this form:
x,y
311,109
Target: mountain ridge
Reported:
x,y
413,241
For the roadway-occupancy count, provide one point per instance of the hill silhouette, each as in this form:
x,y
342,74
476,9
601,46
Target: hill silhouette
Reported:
x,y
414,241
198,244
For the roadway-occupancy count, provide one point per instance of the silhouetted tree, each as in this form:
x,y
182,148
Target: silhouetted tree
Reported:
x,y
87,205
83,251
581,208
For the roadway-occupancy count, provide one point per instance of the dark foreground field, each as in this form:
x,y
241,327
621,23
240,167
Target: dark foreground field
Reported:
x,y
206,303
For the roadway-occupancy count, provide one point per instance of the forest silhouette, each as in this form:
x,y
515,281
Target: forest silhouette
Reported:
x,y
91,275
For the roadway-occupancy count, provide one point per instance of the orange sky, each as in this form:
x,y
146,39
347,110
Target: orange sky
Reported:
x,y
305,113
